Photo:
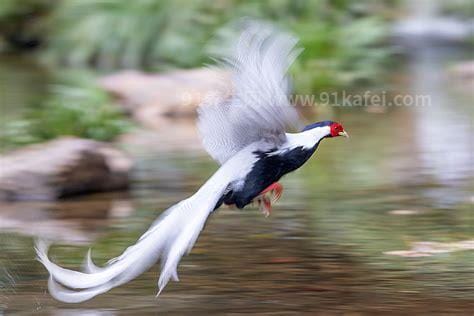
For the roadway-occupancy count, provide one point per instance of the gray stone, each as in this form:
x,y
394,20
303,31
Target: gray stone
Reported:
x,y
152,98
62,167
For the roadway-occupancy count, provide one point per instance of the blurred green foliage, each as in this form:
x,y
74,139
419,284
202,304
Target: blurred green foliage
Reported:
x,y
75,107
132,34
344,44
347,56
342,38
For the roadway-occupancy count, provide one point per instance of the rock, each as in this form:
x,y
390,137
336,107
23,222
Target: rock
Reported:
x,y
151,97
170,136
63,167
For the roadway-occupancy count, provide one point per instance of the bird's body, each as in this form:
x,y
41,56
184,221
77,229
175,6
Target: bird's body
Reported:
x,y
269,164
246,134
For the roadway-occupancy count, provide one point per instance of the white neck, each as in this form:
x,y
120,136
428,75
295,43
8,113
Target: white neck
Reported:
x,y
308,138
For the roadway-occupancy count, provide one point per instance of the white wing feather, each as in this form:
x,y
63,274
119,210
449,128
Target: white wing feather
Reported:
x,y
258,107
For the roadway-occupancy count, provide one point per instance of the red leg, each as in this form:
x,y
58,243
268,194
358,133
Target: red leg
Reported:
x,y
264,202
276,188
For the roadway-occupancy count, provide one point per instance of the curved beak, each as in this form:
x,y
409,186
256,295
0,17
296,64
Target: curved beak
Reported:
x,y
344,133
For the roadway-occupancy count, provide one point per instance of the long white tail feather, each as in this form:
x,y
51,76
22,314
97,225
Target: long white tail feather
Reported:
x,y
89,266
172,235
70,296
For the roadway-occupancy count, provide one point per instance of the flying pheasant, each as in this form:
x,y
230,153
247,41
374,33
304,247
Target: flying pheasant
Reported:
x,y
244,132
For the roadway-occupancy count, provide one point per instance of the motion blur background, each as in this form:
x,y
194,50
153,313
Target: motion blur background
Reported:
x,y
98,136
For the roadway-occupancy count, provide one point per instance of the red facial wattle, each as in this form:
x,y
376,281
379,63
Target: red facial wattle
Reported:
x,y
336,129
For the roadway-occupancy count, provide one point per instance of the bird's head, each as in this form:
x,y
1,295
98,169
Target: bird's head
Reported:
x,y
335,129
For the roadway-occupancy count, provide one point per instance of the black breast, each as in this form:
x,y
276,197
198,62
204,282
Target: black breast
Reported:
x,y
269,168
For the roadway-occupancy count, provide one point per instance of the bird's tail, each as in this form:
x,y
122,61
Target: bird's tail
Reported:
x,y
173,234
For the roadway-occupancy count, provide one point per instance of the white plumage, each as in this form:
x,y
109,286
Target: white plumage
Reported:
x,y
253,118
258,107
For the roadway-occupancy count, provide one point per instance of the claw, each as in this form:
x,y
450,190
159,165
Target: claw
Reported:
x,y
267,207
264,204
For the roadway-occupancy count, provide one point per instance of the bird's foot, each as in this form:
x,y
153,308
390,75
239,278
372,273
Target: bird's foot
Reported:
x,y
264,204
269,196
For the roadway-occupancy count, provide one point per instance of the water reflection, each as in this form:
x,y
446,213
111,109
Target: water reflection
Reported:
x,y
73,222
444,130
